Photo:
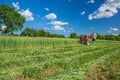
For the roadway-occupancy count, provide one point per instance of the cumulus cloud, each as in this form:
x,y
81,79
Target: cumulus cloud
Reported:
x,y
16,5
106,10
3,27
58,23
47,9
27,14
82,13
114,29
91,1
59,28
51,16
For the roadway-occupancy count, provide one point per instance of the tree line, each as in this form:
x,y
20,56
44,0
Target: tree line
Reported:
x,y
108,37
39,33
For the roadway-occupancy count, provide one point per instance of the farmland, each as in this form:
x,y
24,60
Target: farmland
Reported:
x,y
35,58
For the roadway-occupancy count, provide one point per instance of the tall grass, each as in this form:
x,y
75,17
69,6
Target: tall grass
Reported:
x,y
10,42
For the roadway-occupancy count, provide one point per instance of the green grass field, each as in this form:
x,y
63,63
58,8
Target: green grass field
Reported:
x,y
33,58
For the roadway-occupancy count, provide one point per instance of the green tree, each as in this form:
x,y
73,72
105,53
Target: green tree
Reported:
x,y
54,35
57,35
61,36
73,35
41,33
0,26
47,34
11,18
119,35
29,32
98,35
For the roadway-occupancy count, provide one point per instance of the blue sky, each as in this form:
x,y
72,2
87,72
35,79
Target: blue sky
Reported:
x,y
66,16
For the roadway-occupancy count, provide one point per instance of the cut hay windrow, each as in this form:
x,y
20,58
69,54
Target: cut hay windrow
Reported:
x,y
34,58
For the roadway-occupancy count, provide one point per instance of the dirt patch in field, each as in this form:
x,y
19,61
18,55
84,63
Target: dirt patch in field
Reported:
x,y
99,73
51,72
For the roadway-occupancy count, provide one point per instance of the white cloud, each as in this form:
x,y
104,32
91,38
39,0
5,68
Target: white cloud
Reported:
x,y
3,27
82,13
51,16
56,27
114,29
16,5
106,10
47,9
91,1
58,23
59,28
27,14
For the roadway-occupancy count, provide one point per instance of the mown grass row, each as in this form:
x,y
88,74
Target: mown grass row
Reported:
x,y
79,70
56,62
22,60
93,70
105,70
65,65
11,56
